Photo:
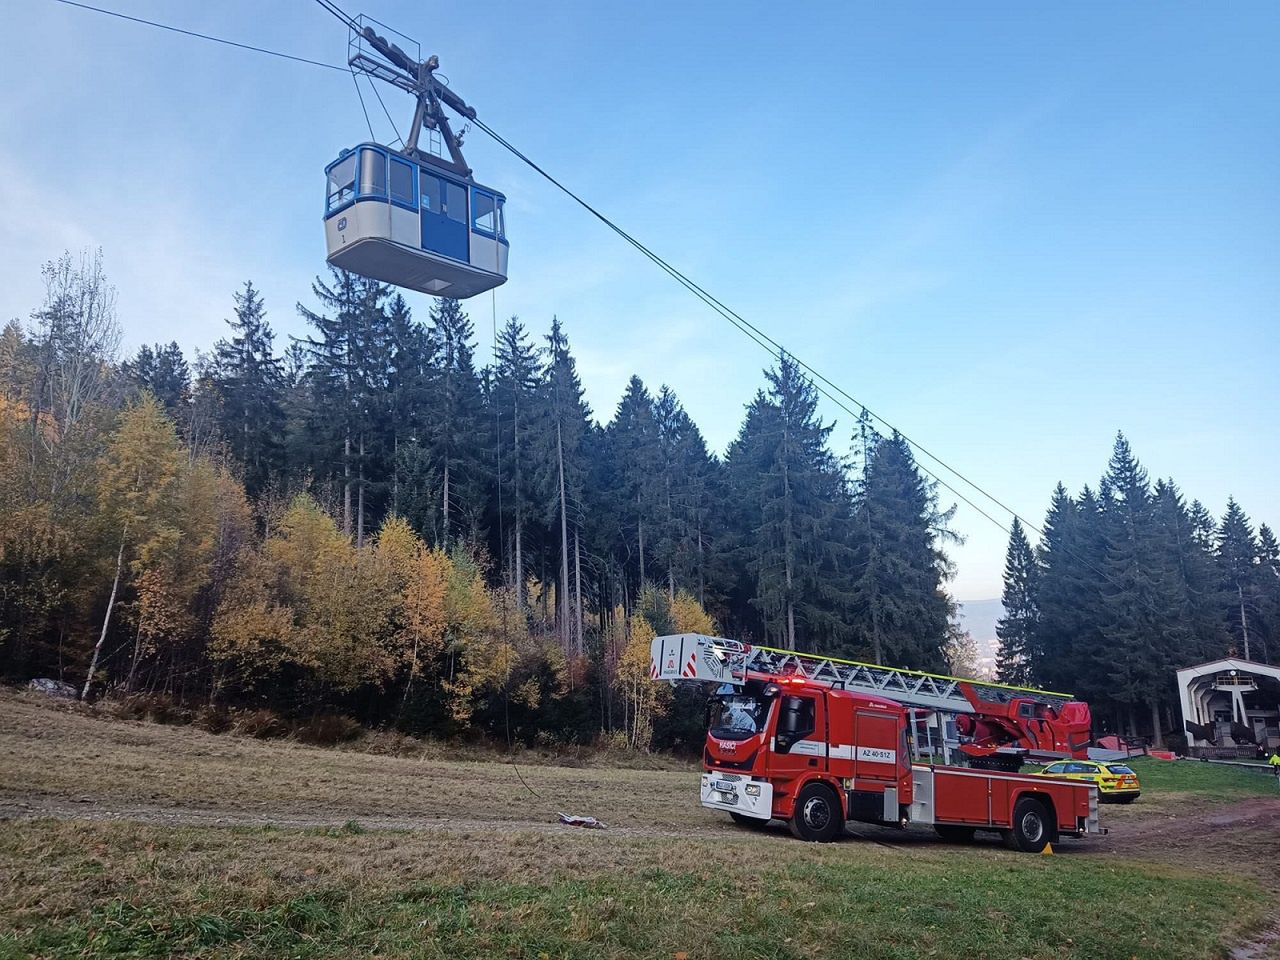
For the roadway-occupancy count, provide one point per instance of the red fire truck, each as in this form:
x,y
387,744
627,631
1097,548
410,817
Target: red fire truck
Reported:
x,y
798,738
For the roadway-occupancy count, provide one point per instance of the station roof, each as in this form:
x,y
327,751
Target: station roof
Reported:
x,y
1213,667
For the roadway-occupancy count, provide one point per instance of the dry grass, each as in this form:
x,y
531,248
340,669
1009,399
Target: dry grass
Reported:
x,y
466,862
53,753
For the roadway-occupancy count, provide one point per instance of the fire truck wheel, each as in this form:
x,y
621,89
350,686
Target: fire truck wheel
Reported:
x,y
742,820
1032,827
817,816
954,833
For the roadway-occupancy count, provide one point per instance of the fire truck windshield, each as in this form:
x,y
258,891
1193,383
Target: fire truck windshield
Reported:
x,y
737,717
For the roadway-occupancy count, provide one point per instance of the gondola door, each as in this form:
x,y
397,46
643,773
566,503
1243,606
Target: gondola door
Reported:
x,y
444,217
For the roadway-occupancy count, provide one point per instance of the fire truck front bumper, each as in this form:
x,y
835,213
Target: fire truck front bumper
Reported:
x,y
735,793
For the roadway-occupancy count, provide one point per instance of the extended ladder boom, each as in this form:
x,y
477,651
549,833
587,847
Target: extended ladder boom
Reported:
x,y
695,657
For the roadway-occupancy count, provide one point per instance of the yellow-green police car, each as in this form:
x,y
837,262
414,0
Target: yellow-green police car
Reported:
x,y
1116,782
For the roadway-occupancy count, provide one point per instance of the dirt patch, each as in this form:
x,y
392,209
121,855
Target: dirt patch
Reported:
x,y
88,809
1260,947
1236,837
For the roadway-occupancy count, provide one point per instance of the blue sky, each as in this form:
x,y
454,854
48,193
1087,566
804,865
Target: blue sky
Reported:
x,y
1012,229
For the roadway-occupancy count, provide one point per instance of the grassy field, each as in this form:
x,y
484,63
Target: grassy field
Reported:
x,y
104,890
1208,779
112,851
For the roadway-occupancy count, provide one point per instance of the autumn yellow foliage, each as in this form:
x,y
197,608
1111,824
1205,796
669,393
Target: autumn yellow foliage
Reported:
x,y
644,700
350,616
311,598
687,615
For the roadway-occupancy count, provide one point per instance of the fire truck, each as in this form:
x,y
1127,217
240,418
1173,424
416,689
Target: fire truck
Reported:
x,y
819,742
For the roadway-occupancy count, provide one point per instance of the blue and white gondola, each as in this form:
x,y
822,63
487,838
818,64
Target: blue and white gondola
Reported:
x,y
413,223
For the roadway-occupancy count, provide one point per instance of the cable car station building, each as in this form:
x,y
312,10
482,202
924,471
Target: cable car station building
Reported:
x,y
1230,708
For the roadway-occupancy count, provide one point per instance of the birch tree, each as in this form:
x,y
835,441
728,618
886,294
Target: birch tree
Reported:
x,y
136,480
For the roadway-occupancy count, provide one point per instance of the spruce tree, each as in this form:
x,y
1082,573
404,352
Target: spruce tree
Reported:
x,y
900,600
375,417
514,398
1067,640
410,360
1016,628
563,440
162,371
1141,626
343,370
793,502
249,381
685,498
1268,591
297,447
456,430
634,462
1185,562
1237,553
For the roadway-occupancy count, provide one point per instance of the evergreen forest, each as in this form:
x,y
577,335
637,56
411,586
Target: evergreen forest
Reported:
x,y
364,521
1128,583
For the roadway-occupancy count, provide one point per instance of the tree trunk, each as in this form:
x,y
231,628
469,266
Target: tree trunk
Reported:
x,y
542,583
640,530
413,670
133,663
360,499
1157,737
518,486
519,563
1244,620
564,547
346,485
577,593
671,547
788,540
702,590
106,620
444,528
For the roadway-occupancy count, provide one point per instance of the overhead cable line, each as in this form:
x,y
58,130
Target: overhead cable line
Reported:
x,y
752,332
363,109
341,14
201,36
823,385
394,128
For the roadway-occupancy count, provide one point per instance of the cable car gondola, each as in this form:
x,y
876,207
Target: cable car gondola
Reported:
x,y
413,224
408,217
